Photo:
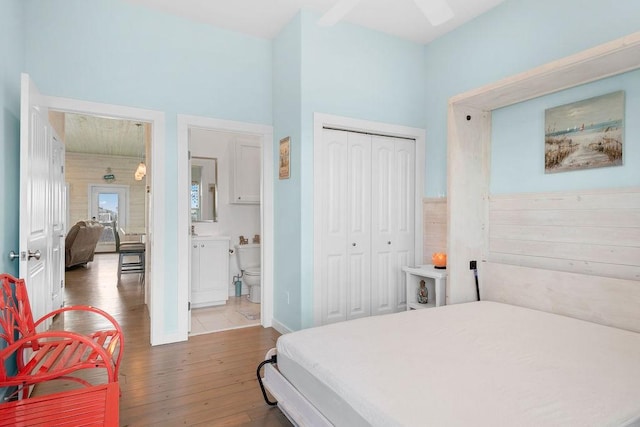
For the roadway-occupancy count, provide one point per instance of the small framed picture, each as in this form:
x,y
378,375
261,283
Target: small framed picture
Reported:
x,y
285,158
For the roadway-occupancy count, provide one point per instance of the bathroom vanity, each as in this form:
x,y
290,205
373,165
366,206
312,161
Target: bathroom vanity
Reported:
x,y
209,270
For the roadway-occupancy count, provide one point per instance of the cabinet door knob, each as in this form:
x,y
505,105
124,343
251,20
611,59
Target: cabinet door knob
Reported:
x,y
353,244
195,246
202,245
389,242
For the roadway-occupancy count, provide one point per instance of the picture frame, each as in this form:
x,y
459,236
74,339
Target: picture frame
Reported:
x,y
285,158
585,134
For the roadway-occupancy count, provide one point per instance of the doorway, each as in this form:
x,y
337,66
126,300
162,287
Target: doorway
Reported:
x,y
156,190
388,137
225,201
264,134
109,205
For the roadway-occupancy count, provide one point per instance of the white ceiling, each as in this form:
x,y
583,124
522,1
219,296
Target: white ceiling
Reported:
x,y
265,18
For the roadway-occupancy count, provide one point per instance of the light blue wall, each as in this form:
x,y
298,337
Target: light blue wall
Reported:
x,y
517,163
287,122
514,37
354,72
342,70
114,52
11,65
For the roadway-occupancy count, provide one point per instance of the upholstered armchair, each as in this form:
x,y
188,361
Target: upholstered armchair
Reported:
x,y
81,241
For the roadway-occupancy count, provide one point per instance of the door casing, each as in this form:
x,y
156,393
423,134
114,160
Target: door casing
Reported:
x,y
156,294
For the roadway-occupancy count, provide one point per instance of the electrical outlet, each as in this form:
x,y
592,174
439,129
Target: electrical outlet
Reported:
x,y
473,265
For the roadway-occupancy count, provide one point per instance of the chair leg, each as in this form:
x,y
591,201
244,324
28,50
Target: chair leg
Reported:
x,y
120,258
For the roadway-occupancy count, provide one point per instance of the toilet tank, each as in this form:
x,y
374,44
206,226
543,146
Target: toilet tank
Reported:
x,y
248,256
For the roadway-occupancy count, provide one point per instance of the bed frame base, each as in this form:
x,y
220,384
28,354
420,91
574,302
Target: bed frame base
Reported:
x,y
292,404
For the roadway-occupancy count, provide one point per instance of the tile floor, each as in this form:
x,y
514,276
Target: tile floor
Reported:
x,y
239,312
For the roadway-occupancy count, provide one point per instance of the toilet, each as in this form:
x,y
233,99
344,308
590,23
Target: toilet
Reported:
x,y
248,257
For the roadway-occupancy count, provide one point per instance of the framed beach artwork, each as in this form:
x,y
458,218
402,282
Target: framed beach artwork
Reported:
x,y
585,134
285,157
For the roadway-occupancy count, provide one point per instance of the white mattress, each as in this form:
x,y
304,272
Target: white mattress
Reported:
x,y
480,363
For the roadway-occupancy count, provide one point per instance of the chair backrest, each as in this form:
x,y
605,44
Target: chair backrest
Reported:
x,y
81,241
16,319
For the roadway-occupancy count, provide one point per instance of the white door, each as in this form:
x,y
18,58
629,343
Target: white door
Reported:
x,y
392,222
403,243
358,222
382,217
347,226
58,221
109,205
334,227
35,218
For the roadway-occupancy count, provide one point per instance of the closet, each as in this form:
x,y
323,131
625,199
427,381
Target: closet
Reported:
x,y
367,228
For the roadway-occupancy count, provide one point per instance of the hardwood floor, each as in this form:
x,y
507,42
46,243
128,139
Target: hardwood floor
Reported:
x,y
209,380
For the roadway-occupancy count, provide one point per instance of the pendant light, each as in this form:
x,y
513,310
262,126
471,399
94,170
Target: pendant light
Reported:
x,y
141,170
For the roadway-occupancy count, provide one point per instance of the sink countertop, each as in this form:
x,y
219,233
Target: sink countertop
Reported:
x,y
208,237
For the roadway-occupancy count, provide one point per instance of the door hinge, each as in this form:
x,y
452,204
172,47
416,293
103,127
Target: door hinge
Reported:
x,y
62,169
189,306
189,154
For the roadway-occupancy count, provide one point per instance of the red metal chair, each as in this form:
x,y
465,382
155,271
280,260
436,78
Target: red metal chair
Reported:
x,y
53,354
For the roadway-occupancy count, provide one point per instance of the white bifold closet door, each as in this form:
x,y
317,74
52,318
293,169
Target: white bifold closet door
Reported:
x,y
367,227
392,221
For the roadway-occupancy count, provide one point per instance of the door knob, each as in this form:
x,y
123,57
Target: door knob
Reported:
x,y
13,255
35,254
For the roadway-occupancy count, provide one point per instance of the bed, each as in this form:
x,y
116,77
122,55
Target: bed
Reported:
x,y
480,363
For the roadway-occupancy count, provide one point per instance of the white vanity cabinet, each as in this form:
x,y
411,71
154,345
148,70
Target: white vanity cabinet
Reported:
x,y
246,155
209,271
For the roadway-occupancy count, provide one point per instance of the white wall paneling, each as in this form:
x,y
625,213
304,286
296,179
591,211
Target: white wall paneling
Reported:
x,y
83,170
588,232
435,227
578,248
612,302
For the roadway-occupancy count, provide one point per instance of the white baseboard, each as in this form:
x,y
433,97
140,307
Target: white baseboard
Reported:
x,y
283,329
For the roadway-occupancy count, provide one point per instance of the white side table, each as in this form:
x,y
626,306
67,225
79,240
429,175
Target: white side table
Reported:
x,y
436,288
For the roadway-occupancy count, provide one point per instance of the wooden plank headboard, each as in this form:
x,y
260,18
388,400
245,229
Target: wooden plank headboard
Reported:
x,y
611,302
574,253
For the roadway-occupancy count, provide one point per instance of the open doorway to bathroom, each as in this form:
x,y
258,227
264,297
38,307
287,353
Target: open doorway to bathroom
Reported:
x,y
225,223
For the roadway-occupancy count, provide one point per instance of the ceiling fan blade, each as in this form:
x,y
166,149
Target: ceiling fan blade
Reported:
x,y
437,11
337,12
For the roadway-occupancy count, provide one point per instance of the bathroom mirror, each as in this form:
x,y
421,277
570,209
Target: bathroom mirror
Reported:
x,y
204,189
